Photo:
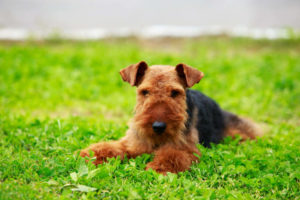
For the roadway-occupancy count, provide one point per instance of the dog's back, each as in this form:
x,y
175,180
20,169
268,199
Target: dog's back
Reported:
x,y
212,122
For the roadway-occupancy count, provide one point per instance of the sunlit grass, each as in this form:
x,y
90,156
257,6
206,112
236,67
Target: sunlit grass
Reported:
x,y
57,98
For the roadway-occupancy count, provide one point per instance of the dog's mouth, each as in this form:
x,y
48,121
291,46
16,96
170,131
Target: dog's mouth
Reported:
x,y
158,128
159,120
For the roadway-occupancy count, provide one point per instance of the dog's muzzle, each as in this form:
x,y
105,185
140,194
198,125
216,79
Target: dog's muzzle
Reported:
x,y
159,127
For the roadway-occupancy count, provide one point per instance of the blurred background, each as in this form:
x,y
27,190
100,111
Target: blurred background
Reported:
x,y
94,19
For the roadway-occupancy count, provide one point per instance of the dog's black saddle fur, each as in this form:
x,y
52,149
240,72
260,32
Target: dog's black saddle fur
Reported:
x,y
210,117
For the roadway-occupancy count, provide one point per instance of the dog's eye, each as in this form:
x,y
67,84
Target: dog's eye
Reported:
x,y
145,92
174,93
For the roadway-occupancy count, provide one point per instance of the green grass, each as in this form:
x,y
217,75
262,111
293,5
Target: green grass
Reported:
x,y
59,97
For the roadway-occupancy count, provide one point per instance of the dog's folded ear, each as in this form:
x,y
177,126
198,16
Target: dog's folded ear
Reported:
x,y
190,75
134,73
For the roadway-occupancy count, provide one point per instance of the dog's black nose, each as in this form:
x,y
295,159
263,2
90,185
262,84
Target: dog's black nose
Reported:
x,y
159,127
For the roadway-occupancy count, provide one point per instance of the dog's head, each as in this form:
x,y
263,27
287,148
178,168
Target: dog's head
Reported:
x,y
161,98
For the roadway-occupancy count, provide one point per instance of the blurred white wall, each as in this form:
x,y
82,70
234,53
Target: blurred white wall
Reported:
x,y
136,15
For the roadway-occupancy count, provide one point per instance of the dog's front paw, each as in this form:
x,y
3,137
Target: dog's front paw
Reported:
x,y
158,167
104,150
86,153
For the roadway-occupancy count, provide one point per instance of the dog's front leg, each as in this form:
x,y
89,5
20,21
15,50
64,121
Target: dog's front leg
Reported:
x,y
130,145
170,159
104,150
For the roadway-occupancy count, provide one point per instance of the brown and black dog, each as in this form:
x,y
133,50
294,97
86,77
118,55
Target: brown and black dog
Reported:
x,y
170,119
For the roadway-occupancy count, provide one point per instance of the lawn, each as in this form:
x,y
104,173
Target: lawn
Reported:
x,y
57,97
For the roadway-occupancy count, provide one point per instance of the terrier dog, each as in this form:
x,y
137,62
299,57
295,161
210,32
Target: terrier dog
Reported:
x,y
170,119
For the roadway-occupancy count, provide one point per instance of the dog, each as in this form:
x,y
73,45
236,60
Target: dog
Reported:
x,y
171,119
